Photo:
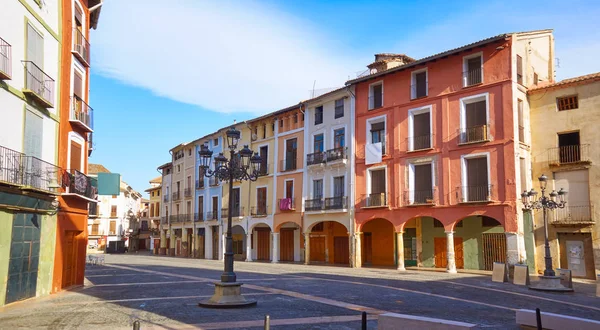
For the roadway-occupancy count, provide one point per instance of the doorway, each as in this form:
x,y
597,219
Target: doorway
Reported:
x,y
24,258
286,246
263,244
441,257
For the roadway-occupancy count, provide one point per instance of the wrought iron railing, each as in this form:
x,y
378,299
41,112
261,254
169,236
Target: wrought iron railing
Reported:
x,y
313,204
336,203
188,192
41,175
212,215
199,216
82,112
334,154
200,184
176,196
75,182
259,211
288,164
81,46
475,193
472,76
315,158
5,60
12,166
569,154
474,134
419,197
237,212
374,200
573,214
418,91
265,169
39,83
375,101
287,204
419,142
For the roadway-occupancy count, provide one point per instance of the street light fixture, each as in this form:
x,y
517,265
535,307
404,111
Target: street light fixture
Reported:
x,y
243,165
555,200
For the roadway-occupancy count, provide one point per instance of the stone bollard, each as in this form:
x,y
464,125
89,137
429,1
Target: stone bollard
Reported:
x,y
500,272
566,279
521,276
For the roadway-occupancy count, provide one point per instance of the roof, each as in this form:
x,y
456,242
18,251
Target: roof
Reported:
x,y
97,168
156,180
443,54
164,165
153,188
322,96
275,113
588,78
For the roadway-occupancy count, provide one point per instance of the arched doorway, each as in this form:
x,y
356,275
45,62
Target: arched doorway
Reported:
x,y
378,243
238,236
481,242
329,243
424,242
261,242
290,236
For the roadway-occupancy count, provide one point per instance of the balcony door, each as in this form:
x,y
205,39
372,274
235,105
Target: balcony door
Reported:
x,y
201,207
378,134
76,153
421,131
291,150
378,188
475,121
423,183
477,179
236,202
264,156
338,187
318,143
215,207
339,138
289,189
568,145
317,189
261,200
34,125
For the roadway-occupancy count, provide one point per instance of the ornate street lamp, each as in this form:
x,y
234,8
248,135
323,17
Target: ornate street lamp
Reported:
x,y
241,165
555,200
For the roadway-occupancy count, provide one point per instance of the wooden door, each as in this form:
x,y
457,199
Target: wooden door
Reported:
x,y
69,259
441,257
142,244
317,249
341,250
286,245
367,249
263,244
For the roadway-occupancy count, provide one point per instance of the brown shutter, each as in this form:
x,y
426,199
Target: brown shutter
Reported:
x,y
377,127
477,172
421,122
377,181
475,113
75,156
78,85
423,177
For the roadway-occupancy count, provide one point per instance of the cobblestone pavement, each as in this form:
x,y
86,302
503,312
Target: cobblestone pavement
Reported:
x,y
163,292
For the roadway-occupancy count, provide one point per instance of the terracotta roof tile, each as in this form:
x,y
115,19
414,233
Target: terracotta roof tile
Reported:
x,y
156,180
586,78
97,168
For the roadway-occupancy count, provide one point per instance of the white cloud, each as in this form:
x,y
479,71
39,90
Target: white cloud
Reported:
x,y
222,56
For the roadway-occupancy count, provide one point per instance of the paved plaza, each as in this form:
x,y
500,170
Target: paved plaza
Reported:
x,y
163,292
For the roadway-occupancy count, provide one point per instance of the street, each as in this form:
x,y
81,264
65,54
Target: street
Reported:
x,y
163,292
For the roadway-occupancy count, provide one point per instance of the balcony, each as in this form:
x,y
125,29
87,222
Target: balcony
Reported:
x,y
313,205
176,196
78,184
259,211
265,169
82,115
5,60
336,203
475,194
188,192
92,210
213,181
336,154
200,184
573,215
316,158
199,216
288,164
174,218
417,143
166,198
237,213
418,197
214,215
12,164
287,204
472,77
81,47
187,217
41,176
473,134
374,200
38,85
568,155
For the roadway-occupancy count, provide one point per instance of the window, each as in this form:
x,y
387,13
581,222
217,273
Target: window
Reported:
x,y
318,227
113,228
264,131
339,109
273,127
420,183
339,138
489,222
377,188
158,193
113,211
521,121
418,84
318,115
338,186
302,116
419,129
34,125
215,142
474,114
76,156
519,69
476,185
295,118
473,70
144,225
318,189
281,122
376,96
378,134
178,168
153,194
152,209
201,207
523,170
189,152
215,207
261,201
289,189
35,47
291,150
567,103
157,210
569,148
318,145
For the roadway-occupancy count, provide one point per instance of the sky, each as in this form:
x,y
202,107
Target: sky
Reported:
x,y
167,72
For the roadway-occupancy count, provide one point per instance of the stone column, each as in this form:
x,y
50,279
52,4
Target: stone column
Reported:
x,y
512,249
163,243
400,250
173,242
451,267
208,239
275,254
306,248
357,250
249,247
184,242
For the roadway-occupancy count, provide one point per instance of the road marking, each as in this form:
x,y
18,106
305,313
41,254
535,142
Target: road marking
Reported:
x,y
119,275
150,299
277,322
143,283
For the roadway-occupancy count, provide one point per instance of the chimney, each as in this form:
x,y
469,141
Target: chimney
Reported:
x,y
386,61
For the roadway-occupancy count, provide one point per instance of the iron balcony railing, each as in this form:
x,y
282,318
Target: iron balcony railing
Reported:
x,y
213,181
199,216
174,218
166,198
200,184
75,182
5,60
288,164
315,158
334,154
265,169
176,196
313,204
569,154
212,215
38,84
419,197
82,113
418,90
237,212
187,217
573,214
41,175
475,193
187,192
374,200
419,142
336,203
81,47
12,166
474,134
92,209
259,211
375,101
287,204
472,77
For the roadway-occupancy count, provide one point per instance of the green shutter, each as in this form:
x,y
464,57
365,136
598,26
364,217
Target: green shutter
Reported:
x,y
34,125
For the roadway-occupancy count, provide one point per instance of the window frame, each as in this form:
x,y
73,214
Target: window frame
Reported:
x,y
466,68
411,176
464,175
473,99
343,106
413,82
319,107
558,98
411,125
371,94
376,120
376,168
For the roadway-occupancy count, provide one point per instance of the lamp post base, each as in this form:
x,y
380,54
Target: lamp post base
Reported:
x,y
227,295
550,283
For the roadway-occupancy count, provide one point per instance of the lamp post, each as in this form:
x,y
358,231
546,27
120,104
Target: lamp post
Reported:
x,y
555,200
242,165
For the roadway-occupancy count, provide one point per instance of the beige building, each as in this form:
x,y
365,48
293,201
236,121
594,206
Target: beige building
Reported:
x,y
565,135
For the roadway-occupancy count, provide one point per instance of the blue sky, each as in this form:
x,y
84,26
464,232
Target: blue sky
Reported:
x,y
157,82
